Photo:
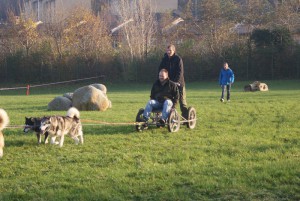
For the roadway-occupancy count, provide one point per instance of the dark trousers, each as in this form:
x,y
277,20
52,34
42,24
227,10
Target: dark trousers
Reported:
x,y
182,102
226,87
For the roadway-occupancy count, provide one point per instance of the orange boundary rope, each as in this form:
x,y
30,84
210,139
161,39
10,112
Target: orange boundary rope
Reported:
x,y
85,120
108,123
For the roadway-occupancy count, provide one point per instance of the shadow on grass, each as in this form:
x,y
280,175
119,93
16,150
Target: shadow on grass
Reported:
x,y
15,143
108,129
35,109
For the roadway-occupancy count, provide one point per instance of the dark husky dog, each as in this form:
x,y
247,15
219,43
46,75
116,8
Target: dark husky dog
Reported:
x,y
59,126
33,124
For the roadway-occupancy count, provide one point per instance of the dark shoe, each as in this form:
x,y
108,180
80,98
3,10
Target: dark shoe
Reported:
x,y
162,122
142,119
141,126
145,125
184,118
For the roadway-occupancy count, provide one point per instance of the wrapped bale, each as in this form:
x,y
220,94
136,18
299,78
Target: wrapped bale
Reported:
x,y
252,87
68,95
60,103
256,86
101,87
90,98
263,87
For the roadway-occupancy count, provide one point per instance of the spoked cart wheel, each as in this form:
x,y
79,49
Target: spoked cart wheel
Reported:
x,y
139,119
173,121
192,118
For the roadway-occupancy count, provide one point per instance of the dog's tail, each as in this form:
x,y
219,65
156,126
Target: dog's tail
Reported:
x,y
73,112
4,119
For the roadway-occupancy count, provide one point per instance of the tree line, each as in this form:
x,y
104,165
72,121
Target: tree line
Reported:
x,y
255,37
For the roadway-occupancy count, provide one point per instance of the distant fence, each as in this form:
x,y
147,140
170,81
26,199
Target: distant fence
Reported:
x,y
48,84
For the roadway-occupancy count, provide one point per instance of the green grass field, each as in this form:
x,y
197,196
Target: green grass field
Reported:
x,y
248,149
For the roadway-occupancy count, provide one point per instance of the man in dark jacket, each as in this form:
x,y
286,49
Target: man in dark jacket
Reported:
x,y
174,65
164,96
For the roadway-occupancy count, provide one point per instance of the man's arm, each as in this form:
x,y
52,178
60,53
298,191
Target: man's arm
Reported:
x,y
231,79
220,77
175,95
179,71
152,94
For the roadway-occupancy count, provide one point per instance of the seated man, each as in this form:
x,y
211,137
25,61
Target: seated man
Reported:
x,y
164,96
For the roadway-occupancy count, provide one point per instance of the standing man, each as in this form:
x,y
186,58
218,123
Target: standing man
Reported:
x,y
226,79
174,65
164,96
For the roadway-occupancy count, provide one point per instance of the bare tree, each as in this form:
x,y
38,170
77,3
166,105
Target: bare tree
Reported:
x,y
54,30
24,31
8,44
80,33
287,14
216,25
87,35
140,33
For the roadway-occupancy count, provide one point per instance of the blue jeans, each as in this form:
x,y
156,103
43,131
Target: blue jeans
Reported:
x,y
155,105
226,87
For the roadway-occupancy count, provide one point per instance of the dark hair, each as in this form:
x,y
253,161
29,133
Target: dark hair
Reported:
x,y
172,47
164,70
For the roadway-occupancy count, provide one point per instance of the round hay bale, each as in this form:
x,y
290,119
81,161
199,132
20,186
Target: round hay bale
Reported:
x,y
90,98
247,88
256,83
68,95
254,86
60,103
263,87
110,104
101,87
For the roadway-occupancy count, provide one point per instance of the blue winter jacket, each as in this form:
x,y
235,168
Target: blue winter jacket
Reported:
x,y
226,77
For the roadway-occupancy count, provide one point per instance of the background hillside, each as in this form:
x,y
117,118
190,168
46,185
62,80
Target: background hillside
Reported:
x,y
259,39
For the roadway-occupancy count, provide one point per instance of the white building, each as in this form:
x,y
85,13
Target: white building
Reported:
x,y
45,10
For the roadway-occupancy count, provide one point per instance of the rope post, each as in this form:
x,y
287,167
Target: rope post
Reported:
x,y
28,90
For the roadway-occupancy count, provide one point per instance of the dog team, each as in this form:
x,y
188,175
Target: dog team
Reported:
x,y
50,126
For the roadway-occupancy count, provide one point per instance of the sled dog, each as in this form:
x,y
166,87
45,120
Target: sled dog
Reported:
x,y
59,126
33,124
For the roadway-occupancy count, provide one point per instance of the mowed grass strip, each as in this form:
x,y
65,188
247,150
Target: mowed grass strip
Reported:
x,y
247,149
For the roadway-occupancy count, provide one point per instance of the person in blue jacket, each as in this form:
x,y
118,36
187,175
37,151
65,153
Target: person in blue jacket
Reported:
x,y
226,79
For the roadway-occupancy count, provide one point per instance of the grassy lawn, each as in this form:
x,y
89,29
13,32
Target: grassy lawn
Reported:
x,y
248,149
